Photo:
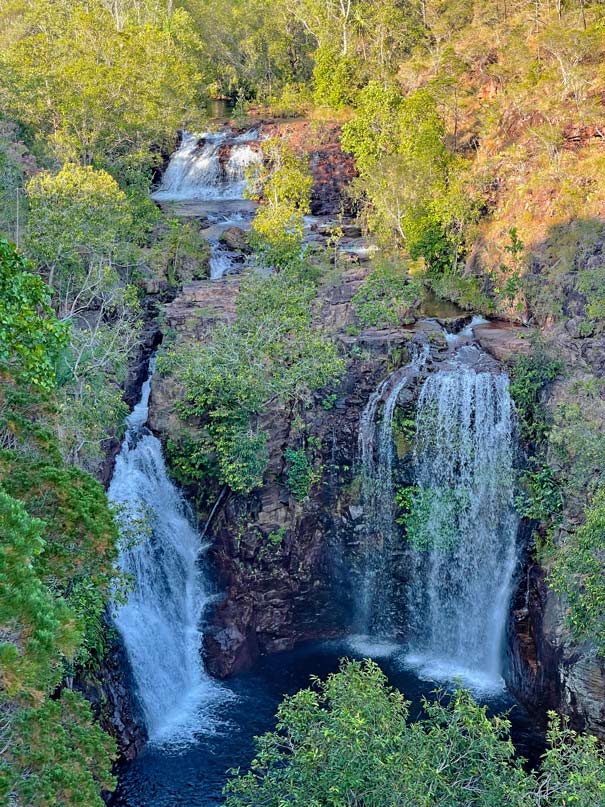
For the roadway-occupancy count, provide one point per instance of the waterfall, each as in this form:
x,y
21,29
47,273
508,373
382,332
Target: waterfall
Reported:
x,y
375,450
463,526
159,622
212,166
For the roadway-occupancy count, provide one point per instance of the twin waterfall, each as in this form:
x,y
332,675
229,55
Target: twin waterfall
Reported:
x,y
159,623
445,591
461,547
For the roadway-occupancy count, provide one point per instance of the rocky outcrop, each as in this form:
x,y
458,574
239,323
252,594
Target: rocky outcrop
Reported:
x,y
331,168
546,668
110,690
532,662
502,340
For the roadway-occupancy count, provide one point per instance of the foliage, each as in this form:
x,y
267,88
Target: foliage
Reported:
x,y
334,77
57,549
283,182
349,740
591,283
92,87
181,253
408,175
387,296
78,224
80,532
302,473
576,441
13,165
58,755
578,575
272,352
79,230
508,278
542,499
530,376
38,627
31,337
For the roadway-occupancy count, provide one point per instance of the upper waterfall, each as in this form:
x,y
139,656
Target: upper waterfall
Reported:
x,y
210,166
159,622
463,525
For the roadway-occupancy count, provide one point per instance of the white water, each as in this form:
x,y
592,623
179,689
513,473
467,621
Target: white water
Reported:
x,y
376,449
197,171
160,622
466,531
454,339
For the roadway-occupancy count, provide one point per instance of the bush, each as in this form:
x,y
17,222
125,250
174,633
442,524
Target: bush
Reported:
x,y
388,296
302,474
578,575
273,351
349,741
530,376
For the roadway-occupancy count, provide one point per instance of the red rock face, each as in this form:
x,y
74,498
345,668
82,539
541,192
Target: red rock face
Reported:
x,y
331,168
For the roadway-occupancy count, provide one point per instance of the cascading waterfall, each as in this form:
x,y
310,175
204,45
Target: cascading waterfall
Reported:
x,y
375,448
212,166
463,526
159,622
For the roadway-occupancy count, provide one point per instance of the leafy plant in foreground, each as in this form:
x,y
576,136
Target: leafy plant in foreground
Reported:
x,y
349,741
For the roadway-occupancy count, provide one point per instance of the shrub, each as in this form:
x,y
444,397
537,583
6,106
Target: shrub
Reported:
x,y
349,741
530,376
302,474
388,296
578,575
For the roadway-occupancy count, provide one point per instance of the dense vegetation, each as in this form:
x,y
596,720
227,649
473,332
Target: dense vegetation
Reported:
x,y
475,126
349,740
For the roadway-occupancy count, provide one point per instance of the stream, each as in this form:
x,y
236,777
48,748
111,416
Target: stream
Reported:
x,y
200,728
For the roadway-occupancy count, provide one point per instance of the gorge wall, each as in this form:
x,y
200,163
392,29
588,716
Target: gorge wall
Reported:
x,y
285,571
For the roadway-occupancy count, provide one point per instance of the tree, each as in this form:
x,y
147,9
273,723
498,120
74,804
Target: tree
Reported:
x,y
94,88
79,233
283,183
78,228
31,336
349,741
36,626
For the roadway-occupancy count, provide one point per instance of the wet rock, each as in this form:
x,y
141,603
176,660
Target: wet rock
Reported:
x,y
454,324
502,340
235,239
110,691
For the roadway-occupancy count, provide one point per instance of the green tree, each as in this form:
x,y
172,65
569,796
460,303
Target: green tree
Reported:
x,y
38,628
78,227
79,234
283,183
31,337
349,740
93,89
58,755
